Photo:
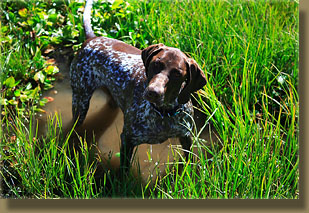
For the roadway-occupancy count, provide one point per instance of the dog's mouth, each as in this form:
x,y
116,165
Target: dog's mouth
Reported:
x,y
167,110
160,102
156,101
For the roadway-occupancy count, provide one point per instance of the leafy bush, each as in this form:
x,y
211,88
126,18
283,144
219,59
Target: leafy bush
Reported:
x,y
249,52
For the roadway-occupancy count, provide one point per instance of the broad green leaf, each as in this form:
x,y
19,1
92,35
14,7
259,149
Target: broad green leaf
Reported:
x,y
39,76
55,40
53,18
12,16
17,92
28,87
23,12
33,93
4,29
116,4
24,98
10,82
30,22
13,102
51,70
3,101
43,101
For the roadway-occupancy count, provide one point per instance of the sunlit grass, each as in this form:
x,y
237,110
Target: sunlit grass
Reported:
x,y
249,52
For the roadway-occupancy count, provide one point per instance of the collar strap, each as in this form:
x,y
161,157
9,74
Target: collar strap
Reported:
x,y
169,113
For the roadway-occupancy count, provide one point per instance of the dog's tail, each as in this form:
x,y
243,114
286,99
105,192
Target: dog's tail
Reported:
x,y
87,20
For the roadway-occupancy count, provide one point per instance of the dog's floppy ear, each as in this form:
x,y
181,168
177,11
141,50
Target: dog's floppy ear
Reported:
x,y
149,52
195,81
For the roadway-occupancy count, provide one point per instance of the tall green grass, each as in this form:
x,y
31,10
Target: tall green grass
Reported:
x,y
51,166
249,52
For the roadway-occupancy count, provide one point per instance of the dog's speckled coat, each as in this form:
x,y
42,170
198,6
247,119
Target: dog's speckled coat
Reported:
x,y
110,63
97,65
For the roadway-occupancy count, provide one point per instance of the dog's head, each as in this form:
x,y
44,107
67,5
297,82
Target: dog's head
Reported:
x,y
171,75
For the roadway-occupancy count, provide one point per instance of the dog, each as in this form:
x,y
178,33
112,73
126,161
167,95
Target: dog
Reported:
x,y
152,87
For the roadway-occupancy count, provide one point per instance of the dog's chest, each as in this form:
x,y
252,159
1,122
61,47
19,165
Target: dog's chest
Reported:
x,y
148,126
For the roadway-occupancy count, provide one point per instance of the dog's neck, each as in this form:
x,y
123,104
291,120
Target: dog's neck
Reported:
x,y
168,111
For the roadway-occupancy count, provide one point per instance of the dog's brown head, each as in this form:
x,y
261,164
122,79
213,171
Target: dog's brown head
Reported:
x,y
171,75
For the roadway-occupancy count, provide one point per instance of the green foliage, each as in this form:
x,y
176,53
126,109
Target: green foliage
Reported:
x,y
45,166
249,52
27,32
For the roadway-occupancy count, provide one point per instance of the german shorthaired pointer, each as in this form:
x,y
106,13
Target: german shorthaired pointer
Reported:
x,y
152,87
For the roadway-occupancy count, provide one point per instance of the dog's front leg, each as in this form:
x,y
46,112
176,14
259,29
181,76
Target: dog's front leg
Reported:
x,y
126,152
186,143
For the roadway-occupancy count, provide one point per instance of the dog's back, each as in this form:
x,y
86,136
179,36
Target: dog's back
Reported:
x,y
152,87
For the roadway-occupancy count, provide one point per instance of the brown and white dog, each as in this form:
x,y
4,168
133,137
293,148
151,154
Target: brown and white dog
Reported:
x,y
152,87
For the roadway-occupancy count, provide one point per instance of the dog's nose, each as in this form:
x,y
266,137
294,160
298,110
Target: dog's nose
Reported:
x,y
156,88
152,95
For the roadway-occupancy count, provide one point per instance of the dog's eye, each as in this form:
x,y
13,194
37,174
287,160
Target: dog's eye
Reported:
x,y
176,73
158,65
155,68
